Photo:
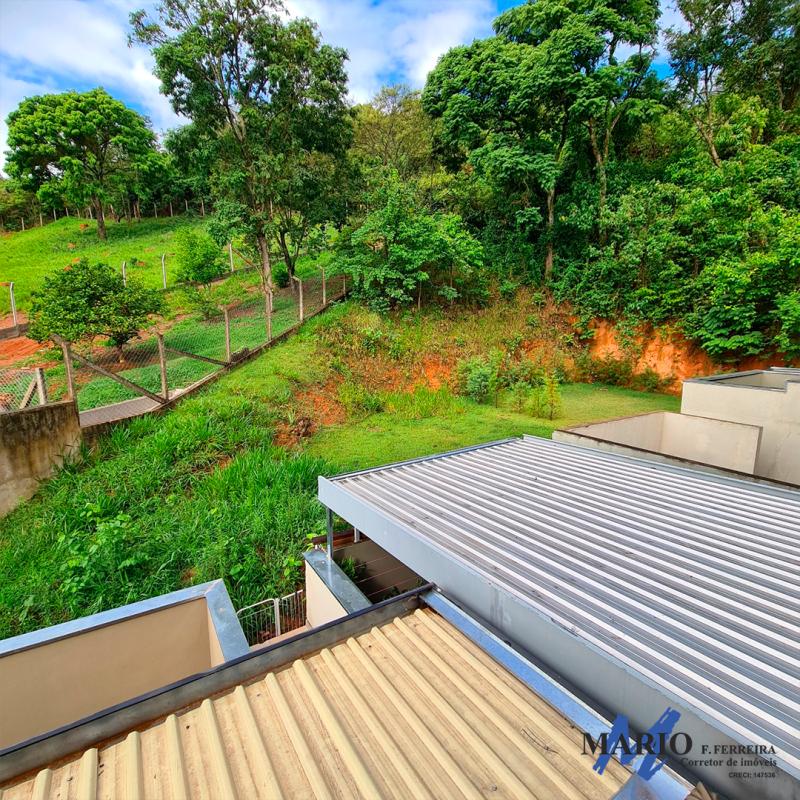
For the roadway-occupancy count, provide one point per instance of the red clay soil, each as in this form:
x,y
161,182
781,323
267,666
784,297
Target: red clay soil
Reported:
x,y
670,354
13,350
436,372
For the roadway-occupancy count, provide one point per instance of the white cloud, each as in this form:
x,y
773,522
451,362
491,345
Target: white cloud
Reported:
x,y
398,40
52,45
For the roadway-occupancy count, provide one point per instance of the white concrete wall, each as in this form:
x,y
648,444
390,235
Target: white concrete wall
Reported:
x,y
776,411
321,604
718,443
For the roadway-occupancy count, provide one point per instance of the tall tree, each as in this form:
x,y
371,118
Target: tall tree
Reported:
x,y
86,143
265,88
394,131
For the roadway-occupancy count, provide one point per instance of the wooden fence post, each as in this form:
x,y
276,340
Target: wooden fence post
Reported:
x,y
67,353
302,310
170,209
202,207
230,254
41,221
66,209
41,386
324,290
124,273
186,204
163,270
227,317
14,318
23,223
155,210
162,363
268,309
55,218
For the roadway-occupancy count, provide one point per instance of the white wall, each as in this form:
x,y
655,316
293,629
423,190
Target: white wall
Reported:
x,y
776,411
715,442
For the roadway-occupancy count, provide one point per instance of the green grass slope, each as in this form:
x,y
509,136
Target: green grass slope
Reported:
x,y
27,256
204,492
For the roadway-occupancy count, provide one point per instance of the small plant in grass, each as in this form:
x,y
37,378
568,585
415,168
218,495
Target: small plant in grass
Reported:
x,y
357,399
198,257
545,401
520,391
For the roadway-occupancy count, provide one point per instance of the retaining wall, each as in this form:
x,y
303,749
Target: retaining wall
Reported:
x,y
33,444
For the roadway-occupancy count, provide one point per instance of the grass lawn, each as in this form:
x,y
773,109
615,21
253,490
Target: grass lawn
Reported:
x,y
27,256
203,491
386,437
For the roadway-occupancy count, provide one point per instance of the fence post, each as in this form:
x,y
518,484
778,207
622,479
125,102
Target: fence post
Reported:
x,y
277,605
230,254
41,386
186,204
268,308
155,210
163,270
22,220
13,308
170,209
55,218
41,221
202,207
67,353
66,209
302,310
162,363
227,317
324,289
344,285
124,274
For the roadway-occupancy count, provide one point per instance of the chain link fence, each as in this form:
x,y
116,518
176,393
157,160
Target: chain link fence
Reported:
x,y
128,378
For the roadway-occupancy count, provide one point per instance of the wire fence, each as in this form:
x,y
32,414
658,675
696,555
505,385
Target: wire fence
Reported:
x,y
271,618
131,377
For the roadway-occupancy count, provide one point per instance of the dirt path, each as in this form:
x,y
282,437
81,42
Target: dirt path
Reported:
x,y
13,350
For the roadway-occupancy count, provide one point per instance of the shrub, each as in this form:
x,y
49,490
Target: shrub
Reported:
x,y
199,258
86,300
546,399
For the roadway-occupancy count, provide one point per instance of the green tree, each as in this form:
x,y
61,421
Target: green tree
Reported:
x,y
394,131
87,143
85,300
399,248
264,88
198,257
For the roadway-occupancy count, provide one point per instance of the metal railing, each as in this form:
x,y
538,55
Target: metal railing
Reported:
x,y
273,617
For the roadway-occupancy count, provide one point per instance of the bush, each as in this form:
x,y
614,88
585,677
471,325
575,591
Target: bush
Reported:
x,y
280,275
199,258
546,399
86,300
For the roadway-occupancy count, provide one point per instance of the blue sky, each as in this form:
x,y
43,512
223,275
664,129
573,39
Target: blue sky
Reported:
x,y
56,45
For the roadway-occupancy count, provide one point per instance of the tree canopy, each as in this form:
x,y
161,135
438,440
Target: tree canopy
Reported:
x,y
83,146
270,95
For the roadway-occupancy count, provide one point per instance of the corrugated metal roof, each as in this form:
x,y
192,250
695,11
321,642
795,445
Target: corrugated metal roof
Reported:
x,y
411,709
687,579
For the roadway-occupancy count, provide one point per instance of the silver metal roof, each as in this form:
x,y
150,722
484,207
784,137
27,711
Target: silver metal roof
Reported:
x,y
685,581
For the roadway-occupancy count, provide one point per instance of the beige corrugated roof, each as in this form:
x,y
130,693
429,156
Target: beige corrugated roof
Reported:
x,y
411,709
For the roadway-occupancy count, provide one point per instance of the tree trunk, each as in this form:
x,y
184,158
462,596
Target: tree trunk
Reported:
x,y
548,259
266,264
101,222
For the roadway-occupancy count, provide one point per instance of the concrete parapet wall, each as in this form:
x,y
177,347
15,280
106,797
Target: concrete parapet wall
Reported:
x,y
33,444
